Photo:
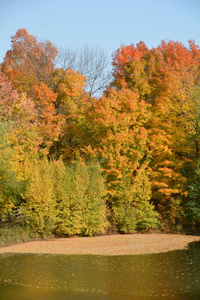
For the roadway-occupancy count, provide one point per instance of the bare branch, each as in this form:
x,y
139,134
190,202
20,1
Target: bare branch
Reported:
x,y
92,62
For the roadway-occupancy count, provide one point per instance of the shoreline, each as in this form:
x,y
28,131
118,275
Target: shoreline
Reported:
x,y
129,244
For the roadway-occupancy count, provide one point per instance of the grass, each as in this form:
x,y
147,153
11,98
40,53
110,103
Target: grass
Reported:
x,y
14,235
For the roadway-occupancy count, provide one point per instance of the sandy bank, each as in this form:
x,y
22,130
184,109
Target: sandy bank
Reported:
x,y
106,245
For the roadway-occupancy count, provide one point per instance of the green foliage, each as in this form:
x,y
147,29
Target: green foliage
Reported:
x,y
192,206
144,131
123,212
62,206
65,200
132,209
39,197
146,215
10,187
80,195
124,218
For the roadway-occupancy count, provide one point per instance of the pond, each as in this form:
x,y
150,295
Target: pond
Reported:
x,y
171,275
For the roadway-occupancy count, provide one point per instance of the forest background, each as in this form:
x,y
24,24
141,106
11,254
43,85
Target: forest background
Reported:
x,y
125,161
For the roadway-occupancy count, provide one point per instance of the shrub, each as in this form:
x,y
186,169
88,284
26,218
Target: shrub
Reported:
x,y
10,187
80,195
132,209
192,206
65,200
39,197
147,217
122,210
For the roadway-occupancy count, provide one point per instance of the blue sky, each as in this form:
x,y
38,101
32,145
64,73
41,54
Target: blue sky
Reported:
x,y
105,23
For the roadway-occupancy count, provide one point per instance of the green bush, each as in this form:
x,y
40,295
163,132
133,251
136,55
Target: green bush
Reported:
x,y
63,224
125,219
80,196
39,198
10,188
132,210
192,205
65,200
147,217
123,214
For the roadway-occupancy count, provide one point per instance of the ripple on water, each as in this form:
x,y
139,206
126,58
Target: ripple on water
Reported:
x,y
171,275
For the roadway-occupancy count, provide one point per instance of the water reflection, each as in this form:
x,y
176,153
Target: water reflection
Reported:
x,y
172,275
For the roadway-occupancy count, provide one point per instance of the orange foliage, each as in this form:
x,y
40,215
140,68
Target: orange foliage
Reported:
x,y
29,62
166,77
118,136
48,122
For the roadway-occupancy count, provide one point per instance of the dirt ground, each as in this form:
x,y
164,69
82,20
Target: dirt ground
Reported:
x,y
106,245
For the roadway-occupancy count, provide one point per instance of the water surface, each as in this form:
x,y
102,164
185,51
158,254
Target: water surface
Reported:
x,y
171,275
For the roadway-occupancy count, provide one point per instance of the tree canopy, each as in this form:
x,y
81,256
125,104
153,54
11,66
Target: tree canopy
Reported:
x,y
139,141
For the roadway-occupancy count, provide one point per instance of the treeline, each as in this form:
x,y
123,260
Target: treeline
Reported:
x,y
80,165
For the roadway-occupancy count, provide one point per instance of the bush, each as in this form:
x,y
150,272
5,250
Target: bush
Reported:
x,y
132,209
80,196
147,217
192,205
39,197
122,210
10,188
65,200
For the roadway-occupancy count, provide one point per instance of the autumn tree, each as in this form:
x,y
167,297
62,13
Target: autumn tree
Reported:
x,y
119,139
11,188
36,124
18,141
65,200
48,122
91,62
71,104
130,69
29,64
29,61
166,77
176,112
58,94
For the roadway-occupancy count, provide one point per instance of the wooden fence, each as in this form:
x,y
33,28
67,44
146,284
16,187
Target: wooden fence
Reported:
x,y
12,216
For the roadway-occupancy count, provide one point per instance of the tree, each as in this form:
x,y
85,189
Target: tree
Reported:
x,y
71,103
29,62
119,139
81,196
94,64
8,96
36,116
49,123
176,114
91,62
192,205
166,77
10,187
130,69
39,200
65,200
23,137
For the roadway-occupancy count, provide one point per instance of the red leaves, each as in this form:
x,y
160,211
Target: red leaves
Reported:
x,y
129,68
